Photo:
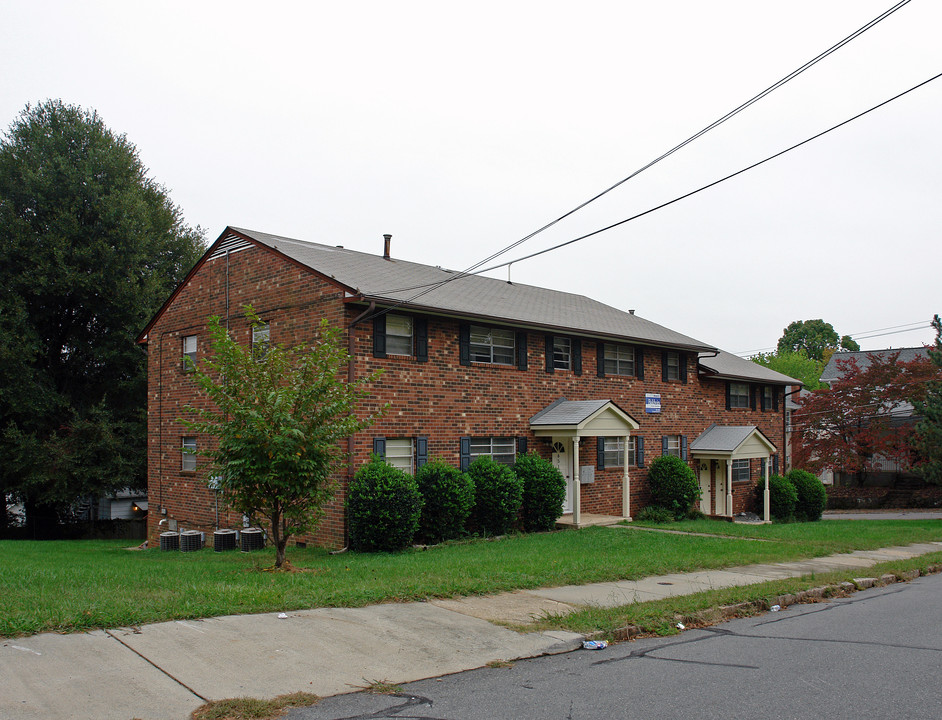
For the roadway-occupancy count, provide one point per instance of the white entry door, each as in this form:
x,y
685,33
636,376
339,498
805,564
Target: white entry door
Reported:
x,y
720,486
562,461
705,487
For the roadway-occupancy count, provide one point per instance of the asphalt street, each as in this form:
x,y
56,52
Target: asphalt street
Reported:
x,y
876,653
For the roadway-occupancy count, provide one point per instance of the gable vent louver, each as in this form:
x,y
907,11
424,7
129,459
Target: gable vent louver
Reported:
x,y
230,244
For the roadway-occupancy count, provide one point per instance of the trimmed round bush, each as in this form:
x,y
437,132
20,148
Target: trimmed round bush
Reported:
x,y
498,493
782,498
812,496
449,496
673,484
654,514
383,508
544,490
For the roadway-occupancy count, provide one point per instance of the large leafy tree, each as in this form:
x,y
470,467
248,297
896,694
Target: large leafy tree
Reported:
x,y
864,415
278,417
815,338
90,246
929,428
794,364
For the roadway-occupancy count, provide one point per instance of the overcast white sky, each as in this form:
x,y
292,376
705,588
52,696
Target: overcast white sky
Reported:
x,y
461,127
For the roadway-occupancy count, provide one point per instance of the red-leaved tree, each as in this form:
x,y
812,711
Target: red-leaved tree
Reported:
x,y
864,417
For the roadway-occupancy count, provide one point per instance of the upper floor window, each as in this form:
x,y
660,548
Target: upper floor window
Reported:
x,y
738,395
188,447
189,351
740,470
672,366
492,345
261,340
619,360
398,335
562,353
769,399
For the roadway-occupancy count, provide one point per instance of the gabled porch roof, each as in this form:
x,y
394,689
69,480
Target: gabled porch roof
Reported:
x,y
732,441
579,418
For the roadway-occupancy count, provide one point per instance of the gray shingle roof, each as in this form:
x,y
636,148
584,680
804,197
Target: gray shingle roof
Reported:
x,y
832,372
392,281
727,365
722,438
567,412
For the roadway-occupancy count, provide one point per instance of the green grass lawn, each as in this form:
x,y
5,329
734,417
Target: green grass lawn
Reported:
x,y
73,585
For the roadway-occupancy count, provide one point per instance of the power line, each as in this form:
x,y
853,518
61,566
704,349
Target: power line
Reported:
x,y
863,335
474,269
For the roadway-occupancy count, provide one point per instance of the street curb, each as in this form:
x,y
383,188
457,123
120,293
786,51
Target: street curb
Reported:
x,y
721,613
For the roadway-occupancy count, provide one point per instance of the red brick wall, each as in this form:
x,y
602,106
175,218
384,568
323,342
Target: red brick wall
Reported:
x,y
439,399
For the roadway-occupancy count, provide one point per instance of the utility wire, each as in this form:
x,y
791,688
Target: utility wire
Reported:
x,y
791,76
863,335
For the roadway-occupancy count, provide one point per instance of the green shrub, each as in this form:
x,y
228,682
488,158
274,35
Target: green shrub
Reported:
x,y
812,496
673,484
655,514
383,507
544,490
498,493
782,498
449,496
696,514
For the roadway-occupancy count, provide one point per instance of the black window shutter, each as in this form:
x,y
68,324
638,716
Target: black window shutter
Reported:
x,y
663,444
639,362
639,450
752,396
683,447
379,336
682,363
549,353
379,446
421,451
775,399
464,344
521,446
663,365
577,356
521,341
775,464
421,339
600,358
600,454
762,398
464,452
728,406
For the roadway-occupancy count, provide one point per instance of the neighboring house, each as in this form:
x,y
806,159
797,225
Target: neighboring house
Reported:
x,y
886,471
471,366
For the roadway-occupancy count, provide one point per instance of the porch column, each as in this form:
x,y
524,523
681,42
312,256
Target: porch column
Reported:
x,y
576,491
729,486
625,488
765,494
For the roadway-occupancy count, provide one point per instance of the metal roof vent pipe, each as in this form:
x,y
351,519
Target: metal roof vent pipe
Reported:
x,y
387,238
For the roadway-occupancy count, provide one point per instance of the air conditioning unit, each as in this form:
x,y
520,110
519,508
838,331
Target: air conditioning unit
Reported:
x,y
169,540
224,540
191,540
252,539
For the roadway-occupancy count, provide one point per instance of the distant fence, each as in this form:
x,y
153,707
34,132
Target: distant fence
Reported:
x,y
93,530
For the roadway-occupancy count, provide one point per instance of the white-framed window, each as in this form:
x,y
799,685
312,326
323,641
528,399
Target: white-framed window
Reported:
x,y
261,340
672,366
189,351
613,451
492,345
768,398
740,470
619,360
188,454
400,453
673,445
562,353
499,449
398,335
738,395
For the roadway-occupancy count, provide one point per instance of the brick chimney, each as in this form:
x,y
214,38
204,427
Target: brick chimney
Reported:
x,y
387,238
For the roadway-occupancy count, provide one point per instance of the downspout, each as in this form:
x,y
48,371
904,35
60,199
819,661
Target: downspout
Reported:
x,y
785,396
351,376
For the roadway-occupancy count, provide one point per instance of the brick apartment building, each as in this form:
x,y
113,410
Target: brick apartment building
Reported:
x,y
474,366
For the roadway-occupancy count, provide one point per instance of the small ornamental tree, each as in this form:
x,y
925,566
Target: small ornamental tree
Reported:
x,y
673,484
498,493
852,424
383,507
449,497
279,417
544,491
811,497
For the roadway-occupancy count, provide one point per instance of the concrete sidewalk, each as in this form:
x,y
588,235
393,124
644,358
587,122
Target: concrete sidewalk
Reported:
x,y
166,670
